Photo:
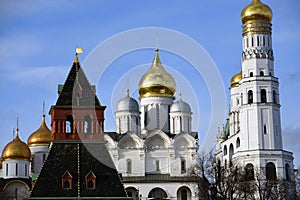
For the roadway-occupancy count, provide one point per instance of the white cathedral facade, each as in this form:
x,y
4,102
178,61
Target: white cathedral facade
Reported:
x,y
153,146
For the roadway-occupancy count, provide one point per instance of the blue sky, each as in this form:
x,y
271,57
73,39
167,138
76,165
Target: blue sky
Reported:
x,y
38,40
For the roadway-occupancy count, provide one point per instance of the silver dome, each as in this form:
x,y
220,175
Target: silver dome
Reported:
x,y
180,106
128,104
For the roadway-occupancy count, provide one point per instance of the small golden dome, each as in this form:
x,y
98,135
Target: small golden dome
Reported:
x,y
40,137
256,11
236,79
16,150
157,81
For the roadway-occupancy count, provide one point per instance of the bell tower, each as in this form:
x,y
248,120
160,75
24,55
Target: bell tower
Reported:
x,y
77,114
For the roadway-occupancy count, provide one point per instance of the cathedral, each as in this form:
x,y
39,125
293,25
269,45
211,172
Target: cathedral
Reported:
x,y
151,152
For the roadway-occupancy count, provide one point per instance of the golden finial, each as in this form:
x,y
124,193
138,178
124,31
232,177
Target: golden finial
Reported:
x,y
180,97
78,51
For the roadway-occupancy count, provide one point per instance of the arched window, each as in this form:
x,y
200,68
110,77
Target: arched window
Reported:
x,y
231,152
261,73
87,124
287,172
238,142
258,41
69,124
271,171
263,96
250,96
225,164
249,169
225,150
129,166
184,193
251,74
274,97
157,193
183,166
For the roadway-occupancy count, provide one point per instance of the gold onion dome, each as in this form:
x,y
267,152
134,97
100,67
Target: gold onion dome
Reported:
x,y
40,137
256,11
236,79
16,150
157,81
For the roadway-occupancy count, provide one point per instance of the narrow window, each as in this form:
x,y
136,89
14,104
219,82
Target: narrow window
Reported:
x,y
287,172
274,96
129,166
258,41
157,165
6,169
241,98
25,169
251,74
90,184
87,124
247,42
238,142
69,124
271,171
264,41
225,164
265,129
183,166
261,73
231,152
263,96
252,40
225,150
250,96
16,169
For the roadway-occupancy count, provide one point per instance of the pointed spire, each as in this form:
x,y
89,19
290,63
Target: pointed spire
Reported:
x,y
127,93
17,131
156,60
43,108
76,60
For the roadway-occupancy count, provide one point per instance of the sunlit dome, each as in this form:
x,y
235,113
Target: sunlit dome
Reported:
x,y
128,104
157,81
236,79
256,11
16,150
40,137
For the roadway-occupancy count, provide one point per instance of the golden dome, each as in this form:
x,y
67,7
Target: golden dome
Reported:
x,y
256,11
236,79
157,81
40,137
16,150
